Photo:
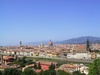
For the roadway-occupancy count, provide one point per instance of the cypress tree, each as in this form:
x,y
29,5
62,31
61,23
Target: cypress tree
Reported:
x,y
39,65
35,66
88,45
52,66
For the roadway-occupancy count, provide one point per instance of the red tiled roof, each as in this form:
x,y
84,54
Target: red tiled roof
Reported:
x,y
7,57
44,67
38,71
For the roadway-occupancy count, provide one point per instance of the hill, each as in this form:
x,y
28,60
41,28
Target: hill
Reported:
x,y
81,40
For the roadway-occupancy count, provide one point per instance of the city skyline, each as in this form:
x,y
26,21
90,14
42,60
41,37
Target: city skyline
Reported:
x,y
42,20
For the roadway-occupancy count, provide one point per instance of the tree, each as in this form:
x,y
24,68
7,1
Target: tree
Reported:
x,y
61,72
88,44
83,74
22,64
35,66
29,62
47,72
1,72
41,73
78,73
94,68
29,71
52,72
39,65
11,71
24,59
52,66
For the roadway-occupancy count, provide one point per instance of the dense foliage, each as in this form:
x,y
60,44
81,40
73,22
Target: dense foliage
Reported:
x,y
61,72
52,66
94,68
23,61
11,71
30,71
78,73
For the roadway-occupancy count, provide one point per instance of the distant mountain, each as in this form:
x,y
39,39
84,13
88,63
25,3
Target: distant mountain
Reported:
x,y
81,40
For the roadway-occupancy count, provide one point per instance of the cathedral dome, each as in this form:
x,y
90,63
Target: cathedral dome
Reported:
x,y
50,43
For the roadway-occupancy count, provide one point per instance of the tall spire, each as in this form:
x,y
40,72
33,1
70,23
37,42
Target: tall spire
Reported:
x,y
20,43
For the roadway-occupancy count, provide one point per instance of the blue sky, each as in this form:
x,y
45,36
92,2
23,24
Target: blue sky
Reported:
x,y
42,20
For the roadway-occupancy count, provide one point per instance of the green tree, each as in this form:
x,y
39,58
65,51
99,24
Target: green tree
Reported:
x,y
52,66
61,72
83,74
11,71
39,65
29,71
78,73
24,59
29,62
35,66
1,72
47,72
52,72
19,60
88,44
94,68
41,73
22,64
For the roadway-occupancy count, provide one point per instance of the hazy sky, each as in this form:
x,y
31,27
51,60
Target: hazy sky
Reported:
x,y
40,20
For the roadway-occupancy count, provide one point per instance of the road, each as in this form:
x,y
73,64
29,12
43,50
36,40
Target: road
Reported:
x,y
77,60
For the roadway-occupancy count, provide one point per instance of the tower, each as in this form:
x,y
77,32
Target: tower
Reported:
x,y
50,43
42,44
20,43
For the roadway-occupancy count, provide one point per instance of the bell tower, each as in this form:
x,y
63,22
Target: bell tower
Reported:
x,y
20,43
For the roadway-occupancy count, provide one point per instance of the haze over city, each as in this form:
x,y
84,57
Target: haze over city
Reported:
x,y
42,20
